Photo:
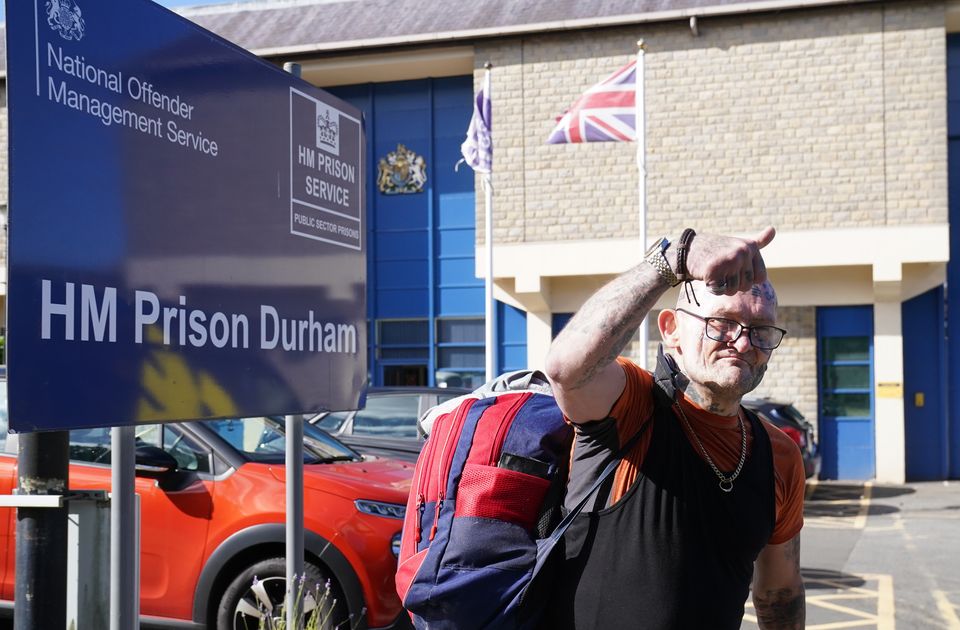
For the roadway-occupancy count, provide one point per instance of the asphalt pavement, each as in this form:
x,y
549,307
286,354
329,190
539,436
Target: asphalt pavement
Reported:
x,y
881,557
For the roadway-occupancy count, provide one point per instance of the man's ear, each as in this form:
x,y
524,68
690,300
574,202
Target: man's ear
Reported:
x,y
667,321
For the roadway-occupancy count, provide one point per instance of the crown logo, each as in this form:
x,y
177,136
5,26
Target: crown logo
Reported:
x,y
328,130
65,17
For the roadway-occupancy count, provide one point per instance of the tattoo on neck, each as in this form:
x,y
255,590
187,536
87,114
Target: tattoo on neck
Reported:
x,y
713,406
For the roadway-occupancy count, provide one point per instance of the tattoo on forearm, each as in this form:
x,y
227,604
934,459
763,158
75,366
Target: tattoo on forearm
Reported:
x,y
609,319
783,608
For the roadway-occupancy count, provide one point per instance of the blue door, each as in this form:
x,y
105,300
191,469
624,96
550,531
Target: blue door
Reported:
x,y
924,386
845,384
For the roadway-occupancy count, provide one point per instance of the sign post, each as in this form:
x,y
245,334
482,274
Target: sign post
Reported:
x,y
41,585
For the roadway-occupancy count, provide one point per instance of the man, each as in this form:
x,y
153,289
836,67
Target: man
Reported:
x,y
707,497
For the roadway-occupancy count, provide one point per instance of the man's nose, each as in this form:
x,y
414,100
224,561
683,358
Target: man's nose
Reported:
x,y
742,343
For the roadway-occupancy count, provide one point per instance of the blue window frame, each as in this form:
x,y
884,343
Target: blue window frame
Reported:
x,y
461,351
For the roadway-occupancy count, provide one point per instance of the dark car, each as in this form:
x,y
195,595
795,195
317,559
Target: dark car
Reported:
x,y
387,425
212,522
785,417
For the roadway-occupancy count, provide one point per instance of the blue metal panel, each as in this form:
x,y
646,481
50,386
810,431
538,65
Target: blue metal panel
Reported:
x,y
953,266
456,210
456,272
402,274
847,442
361,97
559,321
458,290
461,302
512,333
422,245
454,241
924,360
400,244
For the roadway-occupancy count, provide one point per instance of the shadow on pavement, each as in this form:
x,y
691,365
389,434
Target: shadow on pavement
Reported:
x,y
826,579
852,492
842,500
845,510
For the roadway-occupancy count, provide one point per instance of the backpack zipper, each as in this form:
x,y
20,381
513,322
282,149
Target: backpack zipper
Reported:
x,y
443,471
504,427
421,503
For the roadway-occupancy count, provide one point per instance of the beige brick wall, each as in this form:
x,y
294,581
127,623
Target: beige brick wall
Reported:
x,y
792,371
803,119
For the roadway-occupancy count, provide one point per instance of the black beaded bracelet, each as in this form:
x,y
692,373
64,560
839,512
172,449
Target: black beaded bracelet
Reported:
x,y
682,248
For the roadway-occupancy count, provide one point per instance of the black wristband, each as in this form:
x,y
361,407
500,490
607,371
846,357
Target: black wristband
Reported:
x,y
683,246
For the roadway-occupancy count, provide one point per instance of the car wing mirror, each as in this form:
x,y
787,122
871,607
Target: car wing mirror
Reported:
x,y
153,461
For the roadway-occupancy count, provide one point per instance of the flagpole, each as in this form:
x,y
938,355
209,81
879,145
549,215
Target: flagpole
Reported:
x,y
641,125
490,339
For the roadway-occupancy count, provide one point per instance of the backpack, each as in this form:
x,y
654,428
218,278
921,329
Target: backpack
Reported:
x,y
487,488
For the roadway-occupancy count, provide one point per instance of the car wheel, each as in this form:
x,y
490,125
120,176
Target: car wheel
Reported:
x,y
254,600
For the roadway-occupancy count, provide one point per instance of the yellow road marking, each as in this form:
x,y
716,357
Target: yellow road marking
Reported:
x,y
882,619
861,519
886,607
823,601
947,610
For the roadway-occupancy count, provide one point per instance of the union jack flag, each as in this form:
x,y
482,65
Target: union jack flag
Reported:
x,y
604,113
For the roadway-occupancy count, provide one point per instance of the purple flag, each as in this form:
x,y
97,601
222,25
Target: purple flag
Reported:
x,y
477,149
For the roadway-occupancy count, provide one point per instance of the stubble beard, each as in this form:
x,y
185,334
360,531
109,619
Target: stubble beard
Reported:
x,y
722,384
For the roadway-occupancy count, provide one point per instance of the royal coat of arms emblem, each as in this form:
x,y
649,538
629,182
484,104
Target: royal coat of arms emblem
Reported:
x,y
402,172
64,17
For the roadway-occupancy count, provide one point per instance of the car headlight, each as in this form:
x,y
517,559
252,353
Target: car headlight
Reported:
x,y
376,508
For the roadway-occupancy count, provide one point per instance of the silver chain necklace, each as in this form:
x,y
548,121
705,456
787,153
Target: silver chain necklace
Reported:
x,y
726,483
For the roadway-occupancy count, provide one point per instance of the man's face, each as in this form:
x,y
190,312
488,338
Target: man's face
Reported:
x,y
732,368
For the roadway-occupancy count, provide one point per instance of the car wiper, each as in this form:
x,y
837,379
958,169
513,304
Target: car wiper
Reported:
x,y
334,458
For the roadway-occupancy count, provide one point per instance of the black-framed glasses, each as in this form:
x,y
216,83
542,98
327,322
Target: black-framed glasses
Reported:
x,y
728,330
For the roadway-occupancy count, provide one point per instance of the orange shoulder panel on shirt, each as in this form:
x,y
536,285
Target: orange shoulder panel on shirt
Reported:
x,y
790,484
632,409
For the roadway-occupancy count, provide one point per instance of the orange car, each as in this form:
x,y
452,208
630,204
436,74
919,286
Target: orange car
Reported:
x,y
212,522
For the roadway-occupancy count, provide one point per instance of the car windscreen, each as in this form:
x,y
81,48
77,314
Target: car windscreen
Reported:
x,y
263,439
393,415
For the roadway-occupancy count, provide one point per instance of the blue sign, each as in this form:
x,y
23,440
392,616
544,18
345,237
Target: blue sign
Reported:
x,y
186,228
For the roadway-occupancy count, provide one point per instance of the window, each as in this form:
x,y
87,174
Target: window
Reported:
x,y
263,439
460,350
93,445
388,416
403,339
845,376
333,421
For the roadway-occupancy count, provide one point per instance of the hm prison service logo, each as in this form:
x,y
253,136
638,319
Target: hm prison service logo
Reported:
x,y
328,129
64,16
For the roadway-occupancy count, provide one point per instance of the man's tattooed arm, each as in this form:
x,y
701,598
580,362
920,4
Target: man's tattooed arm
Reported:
x,y
581,363
778,592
